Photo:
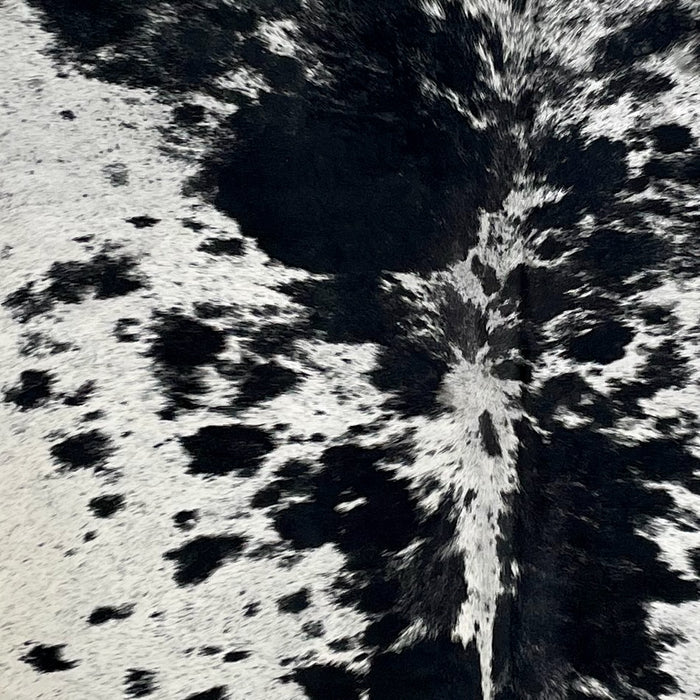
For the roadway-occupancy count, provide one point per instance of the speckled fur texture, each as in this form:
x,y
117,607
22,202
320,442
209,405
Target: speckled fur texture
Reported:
x,y
349,349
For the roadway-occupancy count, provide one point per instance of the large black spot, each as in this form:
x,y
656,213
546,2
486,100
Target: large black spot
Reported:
x,y
329,681
431,670
47,659
264,382
83,450
183,342
221,449
670,138
604,343
197,559
181,347
33,390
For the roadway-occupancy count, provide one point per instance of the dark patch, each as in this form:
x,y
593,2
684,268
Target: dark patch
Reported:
x,y
651,33
671,138
210,651
185,519
587,574
362,173
70,282
106,505
267,496
604,343
67,114
323,682
439,669
181,346
694,557
221,449
489,435
486,275
217,693
265,382
188,114
413,374
47,659
222,246
295,602
107,612
386,521
197,559
139,682
236,655
81,395
34,389
142,221
82,451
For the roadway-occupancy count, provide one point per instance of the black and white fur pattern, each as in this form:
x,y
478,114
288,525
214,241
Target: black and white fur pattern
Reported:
x,y
350,350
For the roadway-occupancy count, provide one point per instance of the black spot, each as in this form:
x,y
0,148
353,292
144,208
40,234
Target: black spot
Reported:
x,y
106,276
604,343
81,395
486,275
413,375
384,518
221,449
33,390
188,114
236,655
251,609
264,382
106,613
217,693
671,138
197,559
329,681
266,497
67,114
294,603
183,342
139,682
181,346
210,651
82,451
222,246
70,282
185,519
489,435
106,505
47,659
142,221
439,669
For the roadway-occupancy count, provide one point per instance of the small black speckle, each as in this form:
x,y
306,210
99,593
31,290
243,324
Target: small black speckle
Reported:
x,y
67,114
232,656
82,451
217,693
